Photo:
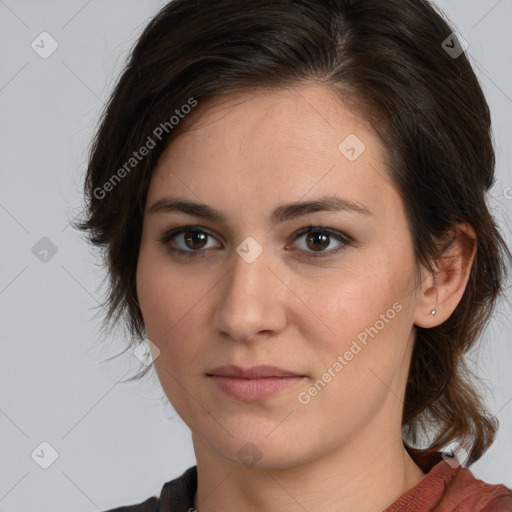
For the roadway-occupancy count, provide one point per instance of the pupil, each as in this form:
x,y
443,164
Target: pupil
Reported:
x,y
312,235
194,237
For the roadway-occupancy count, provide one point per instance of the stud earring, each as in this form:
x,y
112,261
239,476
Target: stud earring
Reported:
x,y
433,312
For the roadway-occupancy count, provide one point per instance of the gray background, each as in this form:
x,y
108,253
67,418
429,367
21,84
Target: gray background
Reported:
x,y
118,443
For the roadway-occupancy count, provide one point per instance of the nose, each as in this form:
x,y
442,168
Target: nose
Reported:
x,y
251,300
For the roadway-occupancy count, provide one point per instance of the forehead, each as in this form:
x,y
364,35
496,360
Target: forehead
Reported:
x,y
306,113
276,144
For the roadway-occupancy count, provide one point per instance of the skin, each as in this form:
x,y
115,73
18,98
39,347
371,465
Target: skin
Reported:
x,y
245,156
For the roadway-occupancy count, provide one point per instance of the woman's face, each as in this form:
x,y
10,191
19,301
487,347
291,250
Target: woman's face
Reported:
x,y
258,287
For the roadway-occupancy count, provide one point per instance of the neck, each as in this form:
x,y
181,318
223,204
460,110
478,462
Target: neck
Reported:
x,y
358,477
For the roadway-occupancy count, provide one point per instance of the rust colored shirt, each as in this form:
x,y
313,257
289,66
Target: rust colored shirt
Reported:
x,y
446,488
443,489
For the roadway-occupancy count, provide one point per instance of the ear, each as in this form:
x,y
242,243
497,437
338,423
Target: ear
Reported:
x,y
443,289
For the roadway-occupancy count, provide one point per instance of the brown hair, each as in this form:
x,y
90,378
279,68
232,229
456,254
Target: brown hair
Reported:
x,y
389,61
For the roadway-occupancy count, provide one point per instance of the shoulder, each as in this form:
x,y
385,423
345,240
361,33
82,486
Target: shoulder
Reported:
x,y
176,496
484,497
454,489
471,493
502,503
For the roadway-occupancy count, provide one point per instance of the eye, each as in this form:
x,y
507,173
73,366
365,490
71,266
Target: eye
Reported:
x,y
317,239
194,240
189,241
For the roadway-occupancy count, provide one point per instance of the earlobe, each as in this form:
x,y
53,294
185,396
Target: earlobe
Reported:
x,y
445,287
427,302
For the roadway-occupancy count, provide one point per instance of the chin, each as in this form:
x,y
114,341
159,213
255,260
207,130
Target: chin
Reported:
x,y
258,451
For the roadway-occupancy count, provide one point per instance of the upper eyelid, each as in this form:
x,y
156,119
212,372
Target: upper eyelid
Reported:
x,y
183,229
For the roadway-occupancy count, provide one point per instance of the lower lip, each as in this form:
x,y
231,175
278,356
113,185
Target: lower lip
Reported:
x,y
254,389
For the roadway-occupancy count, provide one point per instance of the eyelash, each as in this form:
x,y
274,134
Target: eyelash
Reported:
x,y
341,237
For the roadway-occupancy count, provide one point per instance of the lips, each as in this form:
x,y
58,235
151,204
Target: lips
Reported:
x,y
253,372
253,383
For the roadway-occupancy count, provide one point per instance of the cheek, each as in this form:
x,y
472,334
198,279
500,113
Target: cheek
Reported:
x,y
164,294
366,318
160,302
349,300
167,306
173,312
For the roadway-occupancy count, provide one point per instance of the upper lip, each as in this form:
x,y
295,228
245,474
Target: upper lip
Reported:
x,y
252,372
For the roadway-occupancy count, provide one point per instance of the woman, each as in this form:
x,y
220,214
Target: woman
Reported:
x,y
291,199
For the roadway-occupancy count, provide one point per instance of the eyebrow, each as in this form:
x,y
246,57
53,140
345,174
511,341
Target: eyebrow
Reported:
x,y
280,214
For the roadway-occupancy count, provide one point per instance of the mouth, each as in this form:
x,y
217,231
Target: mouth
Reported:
x,y
253,383
252,372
